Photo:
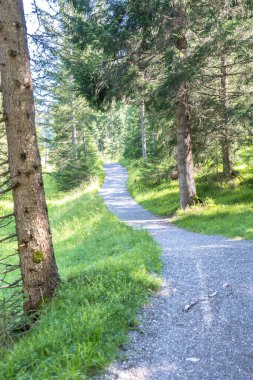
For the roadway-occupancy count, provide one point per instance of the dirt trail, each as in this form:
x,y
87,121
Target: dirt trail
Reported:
x,y
200,325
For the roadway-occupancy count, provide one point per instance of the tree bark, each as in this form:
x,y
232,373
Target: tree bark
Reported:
x,y
225,139
187,186
143,131
39,271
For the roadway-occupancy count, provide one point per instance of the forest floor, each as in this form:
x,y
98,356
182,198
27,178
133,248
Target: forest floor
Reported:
x,y
108,271
227,210
199,326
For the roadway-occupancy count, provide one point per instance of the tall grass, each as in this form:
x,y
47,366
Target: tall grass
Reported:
x,y
228,205
108,270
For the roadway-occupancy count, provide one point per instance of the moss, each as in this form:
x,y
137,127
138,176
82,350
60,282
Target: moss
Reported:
x,y
38,257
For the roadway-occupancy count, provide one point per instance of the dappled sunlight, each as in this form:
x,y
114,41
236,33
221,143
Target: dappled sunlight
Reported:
x,y
142,372
161,201
201,274
75,194
6,205
154,195
104,267
227,208
228,220
211,246
70,228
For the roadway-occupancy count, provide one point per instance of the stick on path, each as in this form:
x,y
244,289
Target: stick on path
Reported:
x,y
200,325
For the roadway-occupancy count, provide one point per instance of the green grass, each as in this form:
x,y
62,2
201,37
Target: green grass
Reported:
x,y
228,207
108,271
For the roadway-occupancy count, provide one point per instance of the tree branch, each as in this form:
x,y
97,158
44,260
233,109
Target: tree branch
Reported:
x,y
6,217
8,237
3,119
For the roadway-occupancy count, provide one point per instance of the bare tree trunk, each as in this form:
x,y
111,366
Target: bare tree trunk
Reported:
x,y
73,127
46,155
225,139
187,186
73,133
39,271
143,131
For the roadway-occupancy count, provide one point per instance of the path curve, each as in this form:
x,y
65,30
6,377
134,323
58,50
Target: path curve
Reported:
x,y
200,325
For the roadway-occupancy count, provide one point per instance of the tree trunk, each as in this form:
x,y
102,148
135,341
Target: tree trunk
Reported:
x,y
73,127
143,131
187,186
225,139
46,155
39,271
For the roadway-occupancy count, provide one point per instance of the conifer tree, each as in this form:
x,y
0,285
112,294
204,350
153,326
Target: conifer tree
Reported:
x,y
39,271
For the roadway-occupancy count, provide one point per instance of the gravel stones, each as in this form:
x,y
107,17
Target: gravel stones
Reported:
x,y
200,324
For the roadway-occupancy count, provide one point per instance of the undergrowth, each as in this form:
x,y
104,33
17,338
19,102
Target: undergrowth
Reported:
x,y
228,205
108,270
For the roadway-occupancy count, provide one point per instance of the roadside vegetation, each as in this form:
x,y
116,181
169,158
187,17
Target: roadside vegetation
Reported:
x,y
111,83
228,204
108,271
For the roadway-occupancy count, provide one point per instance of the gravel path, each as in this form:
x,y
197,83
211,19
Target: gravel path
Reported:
x,y
200,325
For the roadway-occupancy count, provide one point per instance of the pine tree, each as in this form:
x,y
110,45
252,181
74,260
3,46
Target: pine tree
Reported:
x,y
39,271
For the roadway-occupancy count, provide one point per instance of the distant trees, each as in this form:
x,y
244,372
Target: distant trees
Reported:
x,y
141,32
73,152
224,88
39,271
189,61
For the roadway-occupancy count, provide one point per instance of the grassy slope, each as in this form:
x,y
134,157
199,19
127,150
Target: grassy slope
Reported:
x,y
228,208
105,269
